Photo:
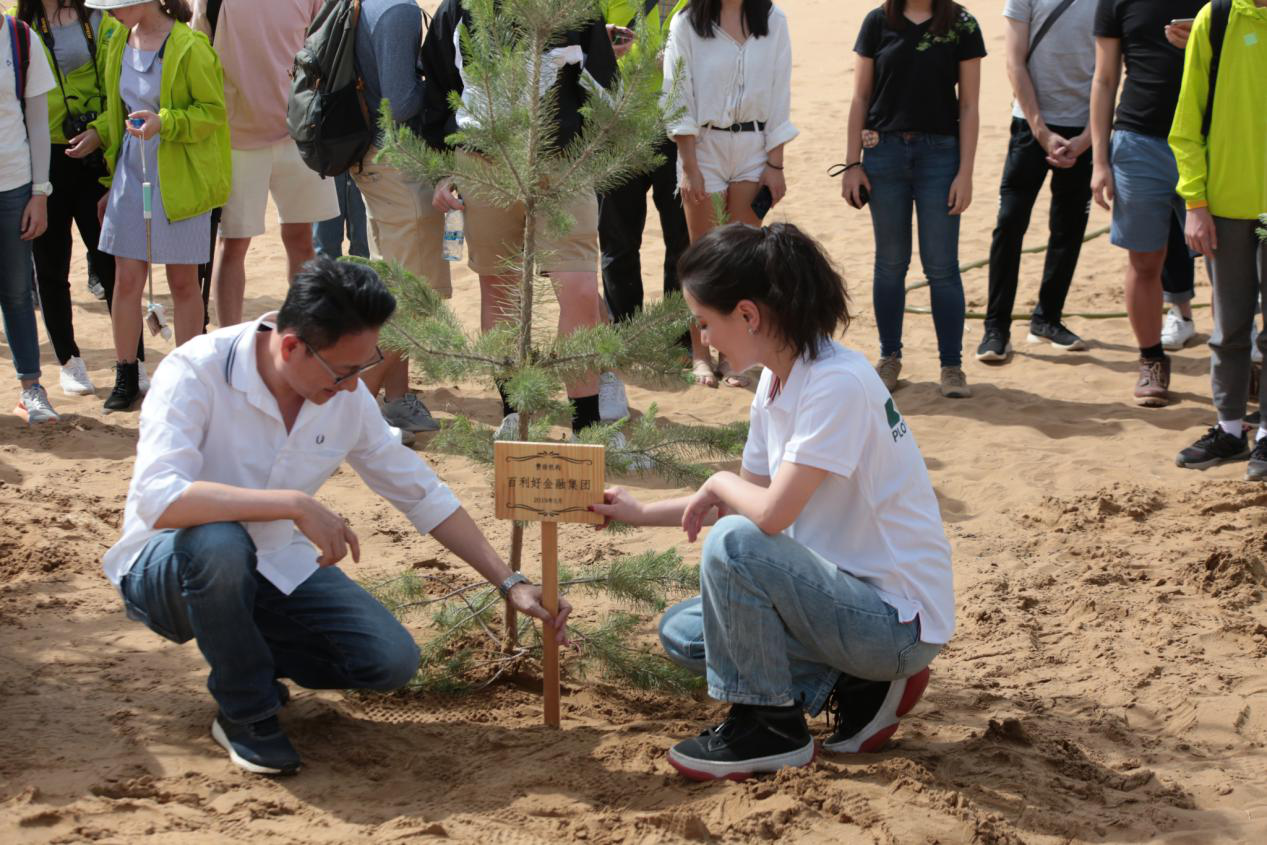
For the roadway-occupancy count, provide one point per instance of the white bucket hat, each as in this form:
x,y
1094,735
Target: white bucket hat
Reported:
x,y
107,5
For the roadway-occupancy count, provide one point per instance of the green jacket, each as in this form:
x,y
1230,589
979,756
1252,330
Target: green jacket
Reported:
x,y
1228,171
625,13
80,83
194,164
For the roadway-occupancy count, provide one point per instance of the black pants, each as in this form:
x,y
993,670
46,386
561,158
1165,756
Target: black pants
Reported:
x,y
1024,172
76,190
622,215
205,270
1178,274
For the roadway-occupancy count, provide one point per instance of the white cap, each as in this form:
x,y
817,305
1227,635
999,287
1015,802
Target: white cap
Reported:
x,y
107,5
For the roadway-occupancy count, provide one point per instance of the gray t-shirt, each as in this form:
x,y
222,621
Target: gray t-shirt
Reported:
x,y
70,46
1064,63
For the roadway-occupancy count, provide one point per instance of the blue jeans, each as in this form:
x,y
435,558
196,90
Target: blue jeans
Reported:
x,y
17,280
775,621
201,583
327,236
905,170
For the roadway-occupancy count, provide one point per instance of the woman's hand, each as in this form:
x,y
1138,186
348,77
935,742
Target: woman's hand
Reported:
x,y
960,194
851,185
526,598
1102,187
773,179
1178,34
619,505
697,509
150,126
35,217
692,185
446,199
84,144
622,39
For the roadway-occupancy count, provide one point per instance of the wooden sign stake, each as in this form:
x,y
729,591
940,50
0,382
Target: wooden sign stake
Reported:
x,y
550,598
548,483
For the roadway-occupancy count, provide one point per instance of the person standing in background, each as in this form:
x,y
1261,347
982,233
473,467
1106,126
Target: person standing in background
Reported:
x,y
327,236
1050,62
257,43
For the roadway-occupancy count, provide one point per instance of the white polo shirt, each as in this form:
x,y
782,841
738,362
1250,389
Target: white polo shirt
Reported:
x,y
210,417
875,515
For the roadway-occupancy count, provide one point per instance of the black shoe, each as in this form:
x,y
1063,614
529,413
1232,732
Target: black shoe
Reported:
x,y
1258,462
283,694
1214,447
1253,420
259,747
865,714
1056,334
752,739
995,347
126,388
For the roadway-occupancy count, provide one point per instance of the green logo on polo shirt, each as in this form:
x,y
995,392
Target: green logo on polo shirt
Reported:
x,y
896,424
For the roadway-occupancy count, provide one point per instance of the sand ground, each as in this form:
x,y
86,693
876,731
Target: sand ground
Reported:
x,y
1106,683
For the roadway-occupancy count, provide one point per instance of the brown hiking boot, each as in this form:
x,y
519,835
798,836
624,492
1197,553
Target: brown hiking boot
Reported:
x,y
1153,388
888,368
954,384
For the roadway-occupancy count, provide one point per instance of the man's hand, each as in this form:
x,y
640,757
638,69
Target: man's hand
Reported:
x,y
1200,233
622,39
1051,142
526,598
328,531
445,198
1177,34
1068,155
1102,187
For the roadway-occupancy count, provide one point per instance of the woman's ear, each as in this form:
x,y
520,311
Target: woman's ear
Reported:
x,y
751,315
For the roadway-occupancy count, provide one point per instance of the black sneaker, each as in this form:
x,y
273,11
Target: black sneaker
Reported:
x,y
126,388
1056,334
995,347
865,713
1214,447
751,740
259,747
1257,470
1253,420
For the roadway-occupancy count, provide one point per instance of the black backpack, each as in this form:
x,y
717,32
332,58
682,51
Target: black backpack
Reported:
x,y
1220,14
327,115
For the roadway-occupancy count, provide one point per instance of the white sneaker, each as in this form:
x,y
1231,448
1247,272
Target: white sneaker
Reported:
x,y
142,378
35,407
637,463
613,403
405,438
1176,331
96,289
75,380
509,429
1255,354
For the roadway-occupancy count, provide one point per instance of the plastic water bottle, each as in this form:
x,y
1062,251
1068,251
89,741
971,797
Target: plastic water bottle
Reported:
x,y
454,235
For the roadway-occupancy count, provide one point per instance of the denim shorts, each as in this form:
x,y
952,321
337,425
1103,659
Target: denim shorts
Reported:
x,y
1144,180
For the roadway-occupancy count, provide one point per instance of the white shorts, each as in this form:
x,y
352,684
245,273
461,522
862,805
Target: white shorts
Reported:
x,y
301,195
726,157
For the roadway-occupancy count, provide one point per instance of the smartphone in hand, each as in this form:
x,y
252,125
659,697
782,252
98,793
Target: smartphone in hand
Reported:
x,y
762,202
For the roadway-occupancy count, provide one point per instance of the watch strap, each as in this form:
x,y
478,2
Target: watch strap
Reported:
x,y
506,586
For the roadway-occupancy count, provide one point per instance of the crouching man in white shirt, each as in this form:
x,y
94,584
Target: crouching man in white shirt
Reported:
x,y
239,430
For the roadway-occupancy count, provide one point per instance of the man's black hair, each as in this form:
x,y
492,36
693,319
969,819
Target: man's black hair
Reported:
x,y
780,268
330,299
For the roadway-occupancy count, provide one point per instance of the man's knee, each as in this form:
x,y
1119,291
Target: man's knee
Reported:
x,y
681,632
217,555
393,663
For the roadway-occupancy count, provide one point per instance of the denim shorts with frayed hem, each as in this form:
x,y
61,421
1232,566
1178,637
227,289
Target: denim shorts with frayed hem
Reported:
x,y
1144,179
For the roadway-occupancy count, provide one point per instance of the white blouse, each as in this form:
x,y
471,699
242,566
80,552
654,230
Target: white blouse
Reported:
x,y
718,81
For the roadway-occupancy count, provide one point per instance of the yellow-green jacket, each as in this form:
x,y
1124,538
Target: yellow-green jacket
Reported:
x,y
80,83
1228,171
194,164
625,13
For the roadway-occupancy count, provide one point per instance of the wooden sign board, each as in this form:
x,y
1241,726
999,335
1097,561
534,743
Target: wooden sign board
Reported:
x,y
548,482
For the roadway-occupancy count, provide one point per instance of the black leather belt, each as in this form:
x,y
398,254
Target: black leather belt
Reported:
x,y
750,126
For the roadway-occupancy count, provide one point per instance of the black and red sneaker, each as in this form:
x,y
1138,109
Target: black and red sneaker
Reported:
x,y
750,740
865,713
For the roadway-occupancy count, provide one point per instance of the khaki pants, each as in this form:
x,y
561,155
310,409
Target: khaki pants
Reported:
x,y
403,224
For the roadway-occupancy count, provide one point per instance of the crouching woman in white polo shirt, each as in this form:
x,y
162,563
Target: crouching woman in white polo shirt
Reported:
x,y
826,580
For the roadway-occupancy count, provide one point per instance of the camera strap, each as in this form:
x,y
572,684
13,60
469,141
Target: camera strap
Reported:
x,y
86,25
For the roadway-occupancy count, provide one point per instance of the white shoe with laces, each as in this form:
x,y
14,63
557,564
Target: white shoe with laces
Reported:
x,y
74,378
1176,332
613,402
142,378
34,406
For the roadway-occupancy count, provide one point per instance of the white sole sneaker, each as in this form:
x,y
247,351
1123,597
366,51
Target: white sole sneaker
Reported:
x,y
217,733
741,769
902,697
1078,345
991,357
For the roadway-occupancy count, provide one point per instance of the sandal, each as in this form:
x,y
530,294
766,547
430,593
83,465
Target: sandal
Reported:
x,y
704,373
732,378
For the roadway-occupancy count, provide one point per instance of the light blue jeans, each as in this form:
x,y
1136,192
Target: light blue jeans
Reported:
x,y
775,621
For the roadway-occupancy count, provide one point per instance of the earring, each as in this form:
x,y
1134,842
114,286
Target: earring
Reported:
x,y
750,330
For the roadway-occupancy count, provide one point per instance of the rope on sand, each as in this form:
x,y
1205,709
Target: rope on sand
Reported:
x,y
1031,250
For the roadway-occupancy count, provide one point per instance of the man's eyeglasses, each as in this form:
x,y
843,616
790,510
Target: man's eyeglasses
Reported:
x,y
340,379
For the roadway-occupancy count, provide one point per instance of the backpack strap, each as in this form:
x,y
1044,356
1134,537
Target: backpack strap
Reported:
x,y
20,44
1046,27
1220,14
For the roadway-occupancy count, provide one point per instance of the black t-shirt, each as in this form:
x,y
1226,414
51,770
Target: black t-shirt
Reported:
x,y
1154,69
916,72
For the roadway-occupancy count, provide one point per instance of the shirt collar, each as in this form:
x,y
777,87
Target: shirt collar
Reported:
x,y
241,371
795,380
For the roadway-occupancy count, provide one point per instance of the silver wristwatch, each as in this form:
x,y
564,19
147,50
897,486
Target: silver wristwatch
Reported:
x,y
506,586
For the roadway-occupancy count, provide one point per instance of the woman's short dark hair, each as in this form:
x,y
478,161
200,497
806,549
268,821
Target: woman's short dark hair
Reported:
x,y
32,13
781,269
331,299
705,14
944,14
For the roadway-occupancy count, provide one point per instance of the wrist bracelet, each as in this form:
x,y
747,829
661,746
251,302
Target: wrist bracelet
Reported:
x,y
773,165
841,169
510,583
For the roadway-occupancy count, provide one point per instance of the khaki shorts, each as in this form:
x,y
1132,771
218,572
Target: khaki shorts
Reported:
x,y
495,234
403,224
301,195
